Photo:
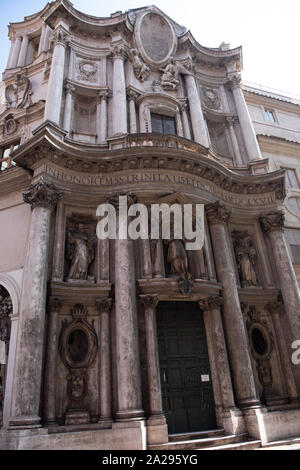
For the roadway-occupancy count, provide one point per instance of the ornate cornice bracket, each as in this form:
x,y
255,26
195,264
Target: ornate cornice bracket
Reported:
x,y
42,194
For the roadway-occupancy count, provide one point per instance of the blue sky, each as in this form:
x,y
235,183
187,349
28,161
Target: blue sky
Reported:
x,y
268,30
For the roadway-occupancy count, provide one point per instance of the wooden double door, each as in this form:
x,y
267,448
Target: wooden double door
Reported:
x,y
187,392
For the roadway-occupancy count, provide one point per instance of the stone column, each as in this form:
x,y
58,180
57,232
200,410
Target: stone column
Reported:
x,y
119,91
231,122
276,311
16,52
102,116
43,38
23,51
54,306
68,111
185,121
59,40
43,198
197,118
272,225
126,328
211,308
104,307
14,318
11,53
149,303
235,332
132,97
245,120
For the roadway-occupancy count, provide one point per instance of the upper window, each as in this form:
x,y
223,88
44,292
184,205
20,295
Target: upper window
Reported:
x,y
5,156
291,178
270,115
163,124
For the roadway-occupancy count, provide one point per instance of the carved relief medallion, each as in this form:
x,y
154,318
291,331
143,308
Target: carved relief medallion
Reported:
x,y
87,70
155,37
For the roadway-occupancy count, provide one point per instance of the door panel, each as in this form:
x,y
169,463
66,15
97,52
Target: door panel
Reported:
x,y
184,366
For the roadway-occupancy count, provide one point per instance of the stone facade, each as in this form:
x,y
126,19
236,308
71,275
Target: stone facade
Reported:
x,y
115,344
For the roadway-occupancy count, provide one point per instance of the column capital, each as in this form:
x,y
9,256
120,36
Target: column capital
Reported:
x,y
272,221
114,200
104,94
42,194
275,307
132,95
217,214
59,36
69,88
183,104
119,51
54,304
104,305
149,301
234,81
210,303
231,120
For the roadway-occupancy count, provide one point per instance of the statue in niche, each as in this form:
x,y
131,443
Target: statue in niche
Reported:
x,y
141,70
80,250
177,257
170,76
246,257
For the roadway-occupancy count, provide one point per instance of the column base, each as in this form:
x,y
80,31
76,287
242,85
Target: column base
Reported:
x,y
249,403
105,422
25,422
157,430
130,415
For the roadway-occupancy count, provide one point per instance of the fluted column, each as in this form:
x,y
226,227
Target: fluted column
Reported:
x,y
11,53
197,118
126,328
149,303
70,90
272,225
102,116
132,97
218,351
235,332
105,399
54,306
245,120
59,40
43,198
231,122
185,121
15,52
23,51
119,91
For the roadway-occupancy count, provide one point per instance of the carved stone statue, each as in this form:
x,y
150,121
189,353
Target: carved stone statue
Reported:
x,y
246,257
80,250
177,257
169,78
141,70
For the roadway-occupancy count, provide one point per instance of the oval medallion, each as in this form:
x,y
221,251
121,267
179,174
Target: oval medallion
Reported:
x,y
155,38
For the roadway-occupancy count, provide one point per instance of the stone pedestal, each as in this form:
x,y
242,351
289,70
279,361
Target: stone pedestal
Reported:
x,y
235,333
55,85
29,356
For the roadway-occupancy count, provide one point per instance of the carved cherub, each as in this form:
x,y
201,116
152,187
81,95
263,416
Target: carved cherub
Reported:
x,y
141,70
169,78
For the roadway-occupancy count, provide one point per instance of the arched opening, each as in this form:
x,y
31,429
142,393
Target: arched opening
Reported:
x,y
5,328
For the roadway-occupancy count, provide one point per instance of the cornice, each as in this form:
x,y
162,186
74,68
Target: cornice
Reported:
x,y
48,145
30,24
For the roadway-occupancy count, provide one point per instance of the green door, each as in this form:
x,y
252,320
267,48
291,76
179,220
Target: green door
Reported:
x,y
187,392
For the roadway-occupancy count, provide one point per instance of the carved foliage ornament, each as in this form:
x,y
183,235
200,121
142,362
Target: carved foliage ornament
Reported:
x,y
42,194
18,94
59,37
272,221
216,213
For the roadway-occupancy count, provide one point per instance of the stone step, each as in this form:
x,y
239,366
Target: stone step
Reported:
x,y
196,435
284,444
200,443
244,445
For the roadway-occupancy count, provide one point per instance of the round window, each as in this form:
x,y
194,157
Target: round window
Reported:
x,y
259,342
78,346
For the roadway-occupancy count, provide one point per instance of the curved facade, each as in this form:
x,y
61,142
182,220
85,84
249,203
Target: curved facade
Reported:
x,y
118,344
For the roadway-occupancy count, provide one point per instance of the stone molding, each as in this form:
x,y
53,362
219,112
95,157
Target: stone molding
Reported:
x,y
273,221
212,302
42,194
149,301
217,214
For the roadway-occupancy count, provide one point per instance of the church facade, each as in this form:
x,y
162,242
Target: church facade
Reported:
x,y
122,344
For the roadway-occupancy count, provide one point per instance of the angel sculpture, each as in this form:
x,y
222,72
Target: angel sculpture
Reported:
x,y
141,70
169,78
